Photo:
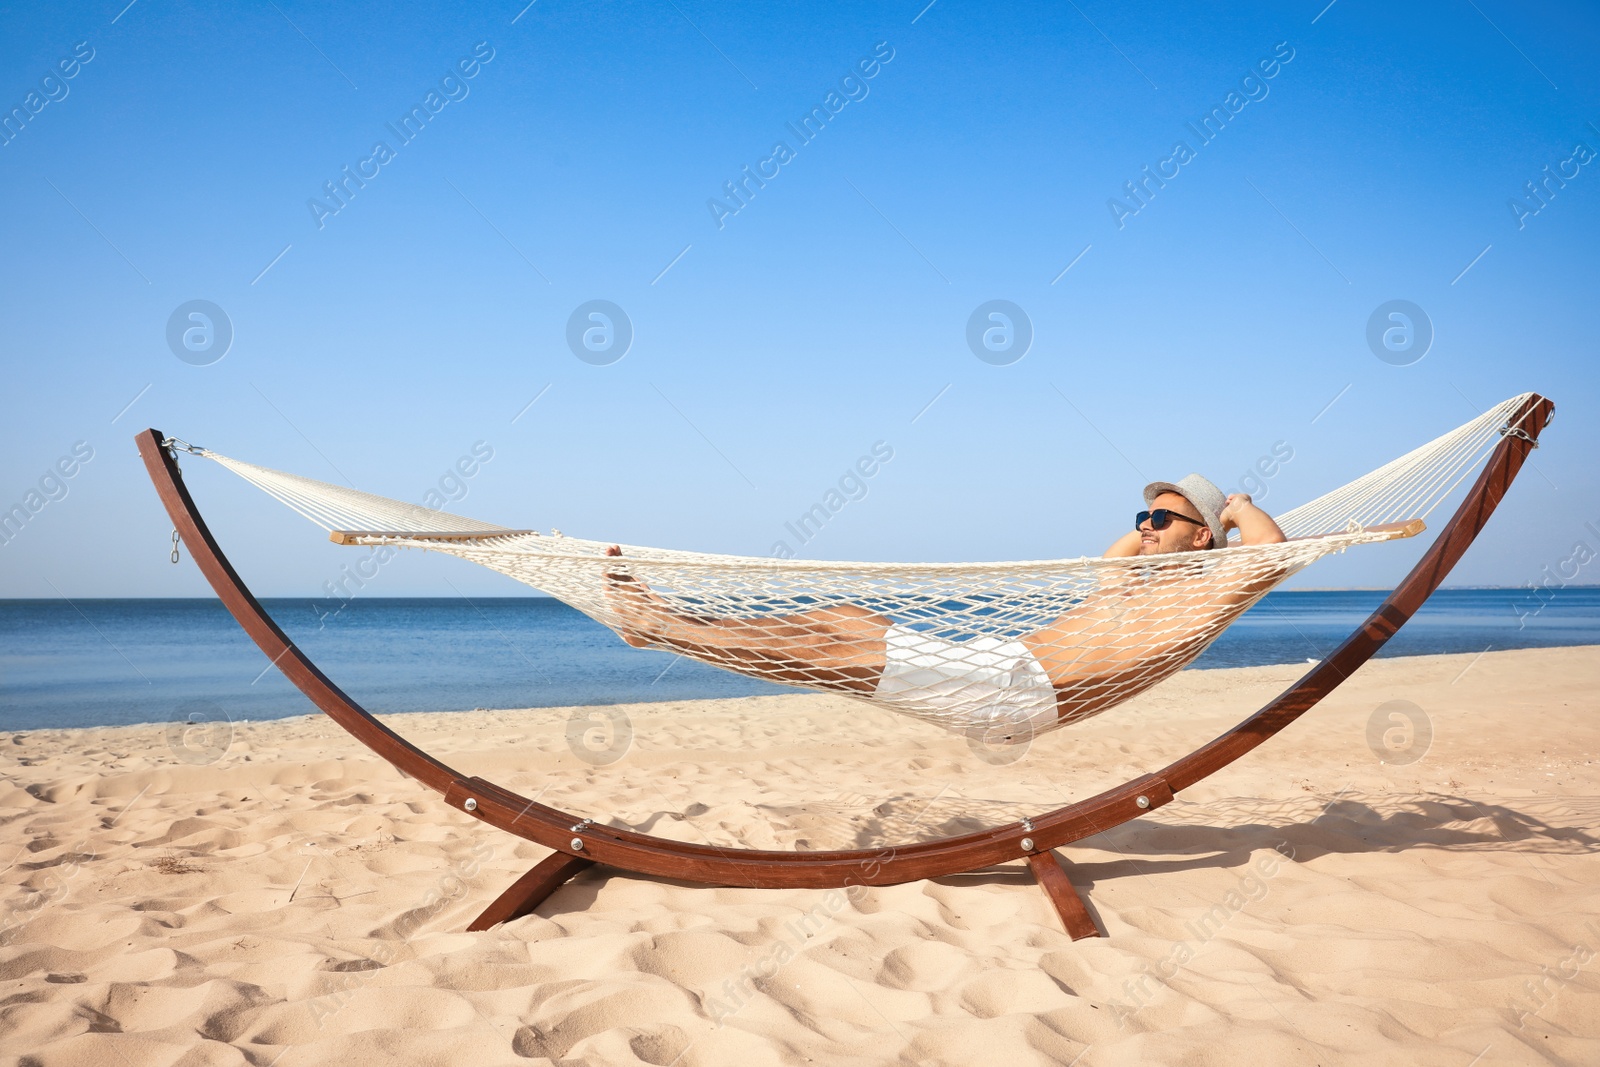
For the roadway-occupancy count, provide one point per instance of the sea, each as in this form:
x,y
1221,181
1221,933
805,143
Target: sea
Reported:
x,y
114,662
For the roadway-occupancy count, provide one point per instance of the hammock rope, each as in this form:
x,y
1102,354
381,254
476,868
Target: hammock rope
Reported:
x,y
1008,650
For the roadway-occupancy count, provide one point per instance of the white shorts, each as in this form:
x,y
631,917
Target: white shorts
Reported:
x,y
980,683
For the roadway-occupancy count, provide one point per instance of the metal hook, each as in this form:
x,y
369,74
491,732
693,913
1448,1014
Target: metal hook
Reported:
x,y
1519,432
174,545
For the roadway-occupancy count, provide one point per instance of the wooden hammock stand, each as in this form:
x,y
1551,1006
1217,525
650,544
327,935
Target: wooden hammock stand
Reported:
x,y
578,843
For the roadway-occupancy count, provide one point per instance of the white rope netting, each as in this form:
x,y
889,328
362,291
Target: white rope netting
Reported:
x,y
1008,650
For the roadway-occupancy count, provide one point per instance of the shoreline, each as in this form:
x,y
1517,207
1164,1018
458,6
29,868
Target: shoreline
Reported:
x,y
1294,671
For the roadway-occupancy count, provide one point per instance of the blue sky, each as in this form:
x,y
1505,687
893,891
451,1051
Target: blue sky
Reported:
x,y
380,343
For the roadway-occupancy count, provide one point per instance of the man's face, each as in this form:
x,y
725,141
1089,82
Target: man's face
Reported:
x,y
1179,536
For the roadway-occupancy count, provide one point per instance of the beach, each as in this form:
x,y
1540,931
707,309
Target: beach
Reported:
x,y
1408,874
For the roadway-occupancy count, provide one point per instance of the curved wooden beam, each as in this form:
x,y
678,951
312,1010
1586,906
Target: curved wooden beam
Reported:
x,y
582,842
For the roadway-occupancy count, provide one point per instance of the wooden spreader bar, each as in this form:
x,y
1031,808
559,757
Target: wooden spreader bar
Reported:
x,y
354,537
1392,531
578,844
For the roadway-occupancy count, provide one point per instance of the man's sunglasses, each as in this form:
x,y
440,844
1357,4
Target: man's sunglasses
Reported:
x,y
1161,518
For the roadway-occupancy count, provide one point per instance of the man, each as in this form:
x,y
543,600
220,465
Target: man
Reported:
x,y
1194,515
1133,630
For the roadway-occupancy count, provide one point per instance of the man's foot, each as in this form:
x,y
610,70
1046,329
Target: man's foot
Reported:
x,y
632,603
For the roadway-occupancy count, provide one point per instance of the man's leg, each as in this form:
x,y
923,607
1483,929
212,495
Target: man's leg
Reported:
x,y
840,646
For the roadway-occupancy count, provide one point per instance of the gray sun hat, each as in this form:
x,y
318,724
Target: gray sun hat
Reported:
x,y
1206,497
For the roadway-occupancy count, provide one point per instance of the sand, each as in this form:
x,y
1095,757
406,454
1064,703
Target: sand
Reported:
x,y
296,901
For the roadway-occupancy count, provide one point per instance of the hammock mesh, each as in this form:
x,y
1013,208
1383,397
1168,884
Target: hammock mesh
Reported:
x,y
1099,630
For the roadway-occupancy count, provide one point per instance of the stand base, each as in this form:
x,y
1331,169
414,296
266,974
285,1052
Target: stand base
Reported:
x,y
529,891
1069,905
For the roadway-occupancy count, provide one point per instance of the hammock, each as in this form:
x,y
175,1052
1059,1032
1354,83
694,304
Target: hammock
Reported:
x,y
1102,630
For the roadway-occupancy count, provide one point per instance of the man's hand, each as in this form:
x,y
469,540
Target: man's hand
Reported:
x,y
1254,525
1230,510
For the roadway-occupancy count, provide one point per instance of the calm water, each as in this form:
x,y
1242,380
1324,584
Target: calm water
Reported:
x,y
101,662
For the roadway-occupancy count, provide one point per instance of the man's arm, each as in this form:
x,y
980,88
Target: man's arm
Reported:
x,y
1255,526
1126,545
